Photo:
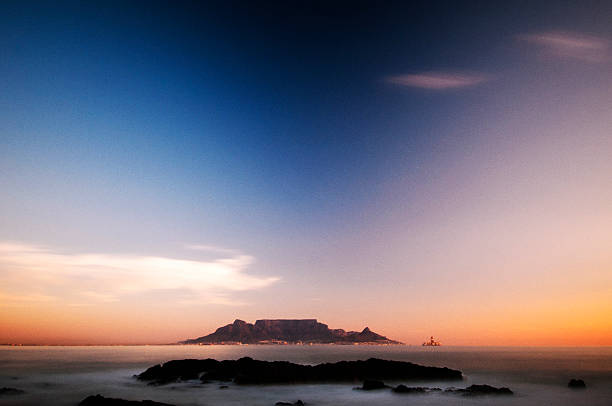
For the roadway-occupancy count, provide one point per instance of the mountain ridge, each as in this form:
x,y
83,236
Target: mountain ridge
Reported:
x,y
287,331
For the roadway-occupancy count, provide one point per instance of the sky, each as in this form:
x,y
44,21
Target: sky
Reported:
x,y
421,168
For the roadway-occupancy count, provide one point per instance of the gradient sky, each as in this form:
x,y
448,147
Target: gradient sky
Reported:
x,y
425,168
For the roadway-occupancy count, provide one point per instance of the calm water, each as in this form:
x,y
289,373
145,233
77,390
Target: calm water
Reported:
x,y
538,376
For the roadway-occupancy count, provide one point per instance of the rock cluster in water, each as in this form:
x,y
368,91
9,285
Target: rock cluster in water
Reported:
x,y
576,384
473,390
414,389
249,371
10,391
99,400
370,384
476,390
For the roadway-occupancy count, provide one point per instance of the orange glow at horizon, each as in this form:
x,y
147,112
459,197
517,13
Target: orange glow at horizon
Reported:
x,y
578,324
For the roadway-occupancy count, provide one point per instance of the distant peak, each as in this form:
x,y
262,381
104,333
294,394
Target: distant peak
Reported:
x,y
366,330
239,322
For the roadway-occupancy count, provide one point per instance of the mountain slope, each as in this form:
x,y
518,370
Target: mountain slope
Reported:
x,y
287,332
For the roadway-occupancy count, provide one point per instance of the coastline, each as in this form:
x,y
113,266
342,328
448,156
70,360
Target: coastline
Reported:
x,y
441,348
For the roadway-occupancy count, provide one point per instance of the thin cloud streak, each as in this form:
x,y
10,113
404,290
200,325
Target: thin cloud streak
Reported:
x,y
29,271
570,45
212,249
438,80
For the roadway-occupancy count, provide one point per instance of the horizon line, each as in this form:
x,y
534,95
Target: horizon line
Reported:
x,y
305,345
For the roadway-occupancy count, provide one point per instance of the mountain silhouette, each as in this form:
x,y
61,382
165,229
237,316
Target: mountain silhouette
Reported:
x,y
306,331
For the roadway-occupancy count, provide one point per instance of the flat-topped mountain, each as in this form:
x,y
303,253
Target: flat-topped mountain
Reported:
x,y
307,331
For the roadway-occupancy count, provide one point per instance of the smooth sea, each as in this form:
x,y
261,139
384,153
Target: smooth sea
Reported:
x,y
537,375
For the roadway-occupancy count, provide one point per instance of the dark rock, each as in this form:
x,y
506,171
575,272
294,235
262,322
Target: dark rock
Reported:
x,y
287,332
99,400
576,384
10,391
182,370
469,391
249,371
476,390
223,387
298,403
416,389
488,390
369,384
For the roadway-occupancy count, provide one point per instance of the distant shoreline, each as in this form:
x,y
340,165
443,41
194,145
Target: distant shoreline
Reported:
x,y
305,345
209,345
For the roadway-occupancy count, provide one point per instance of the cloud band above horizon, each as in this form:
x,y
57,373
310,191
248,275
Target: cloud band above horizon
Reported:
x,y
33,274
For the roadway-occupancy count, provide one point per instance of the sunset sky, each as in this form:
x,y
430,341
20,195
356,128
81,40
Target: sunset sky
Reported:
x,y
423,169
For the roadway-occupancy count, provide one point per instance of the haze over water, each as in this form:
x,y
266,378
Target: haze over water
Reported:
x,y
537,375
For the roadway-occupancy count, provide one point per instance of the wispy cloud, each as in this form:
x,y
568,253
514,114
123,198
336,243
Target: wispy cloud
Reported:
x,y
31,273
212,249
570,45
438,80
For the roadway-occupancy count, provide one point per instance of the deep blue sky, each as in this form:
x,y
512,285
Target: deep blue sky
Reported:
x,y
277,130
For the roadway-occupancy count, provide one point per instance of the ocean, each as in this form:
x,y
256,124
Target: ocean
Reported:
x,y
537,375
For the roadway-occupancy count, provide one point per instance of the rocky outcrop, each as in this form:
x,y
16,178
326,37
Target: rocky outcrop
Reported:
x,y
473,390
414,389
99,400
370,384
250,371
305,331
477,390
10,391
576,384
